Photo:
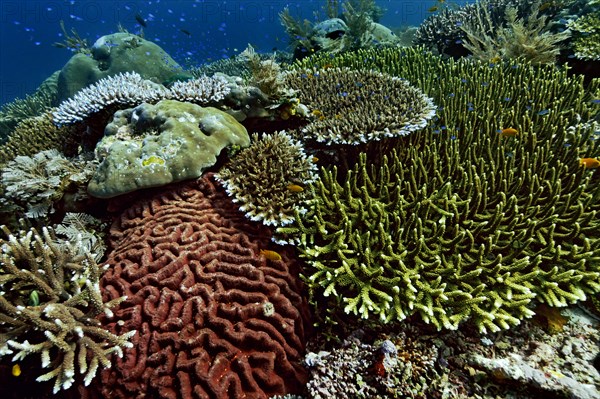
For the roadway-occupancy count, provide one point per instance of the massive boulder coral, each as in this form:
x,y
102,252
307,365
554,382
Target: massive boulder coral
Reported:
x,y
115,54
216,317
153,145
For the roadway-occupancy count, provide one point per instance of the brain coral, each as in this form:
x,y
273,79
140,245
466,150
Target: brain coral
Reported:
x,y
215,318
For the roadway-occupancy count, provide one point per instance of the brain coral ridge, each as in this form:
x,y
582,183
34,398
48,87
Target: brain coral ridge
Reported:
x,y
129,89
216,319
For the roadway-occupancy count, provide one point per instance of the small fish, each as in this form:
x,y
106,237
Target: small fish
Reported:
x,y
589,163
140,20
509,132
270,255
543,112
185,32
295,188
327,66
16,370
496,60
315,159
34,298
432,9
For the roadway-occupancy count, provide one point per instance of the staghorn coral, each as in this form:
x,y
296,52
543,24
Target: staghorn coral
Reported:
x,y
394,242
352,107
40,181
515,214
267,178
127,89
215,317
49,304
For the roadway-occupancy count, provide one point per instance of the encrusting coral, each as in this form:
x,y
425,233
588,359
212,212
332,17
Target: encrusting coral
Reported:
x,y
469,219
216,317
351,107
267,179
49,304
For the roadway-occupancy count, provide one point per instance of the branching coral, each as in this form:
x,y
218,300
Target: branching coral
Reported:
x,y
268,178
36,134
529,38
586,32
39,181
352,107
465,222
49,303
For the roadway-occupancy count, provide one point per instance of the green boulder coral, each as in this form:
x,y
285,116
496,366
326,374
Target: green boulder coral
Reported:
x,y
153,145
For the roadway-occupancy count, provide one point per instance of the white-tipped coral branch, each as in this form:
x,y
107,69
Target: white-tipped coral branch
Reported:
x,y
130,89
49,303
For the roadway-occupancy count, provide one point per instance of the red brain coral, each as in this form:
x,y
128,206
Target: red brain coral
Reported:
x,y
215,319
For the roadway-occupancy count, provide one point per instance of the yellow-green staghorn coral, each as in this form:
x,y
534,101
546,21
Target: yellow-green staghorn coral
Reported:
x,y
467,220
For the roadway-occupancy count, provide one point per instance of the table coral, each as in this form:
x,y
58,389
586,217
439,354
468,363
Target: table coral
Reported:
x,y
215,317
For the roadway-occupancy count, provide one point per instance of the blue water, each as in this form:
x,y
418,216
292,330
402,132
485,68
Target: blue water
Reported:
x,y
218,29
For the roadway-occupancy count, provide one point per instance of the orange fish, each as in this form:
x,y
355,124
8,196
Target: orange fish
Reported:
x,y
589,163
270,255
315,159
509,132
295,188
16,370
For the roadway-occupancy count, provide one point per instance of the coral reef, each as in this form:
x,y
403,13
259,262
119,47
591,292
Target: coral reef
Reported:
x,y
129,89
444,30
267,179
11,114
399,366
464,221
352,107
112,55
36,134
216,318
586,32
153,145
352,28
529,38
38,182
49,304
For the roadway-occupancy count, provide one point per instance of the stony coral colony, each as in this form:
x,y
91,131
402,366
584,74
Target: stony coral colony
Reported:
x,y
474,198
